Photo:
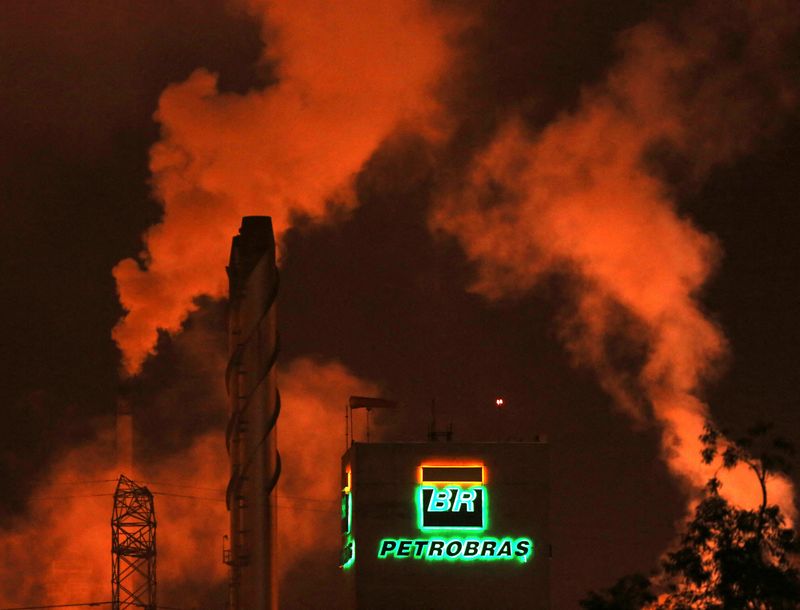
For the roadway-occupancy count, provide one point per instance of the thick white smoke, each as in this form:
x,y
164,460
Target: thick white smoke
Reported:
x,y
580,197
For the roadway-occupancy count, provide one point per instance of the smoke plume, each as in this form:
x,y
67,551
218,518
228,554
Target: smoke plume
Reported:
x,y
60,549
311,442
588,196
348,73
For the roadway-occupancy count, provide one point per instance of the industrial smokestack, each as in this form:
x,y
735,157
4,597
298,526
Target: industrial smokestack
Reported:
x,y
124,433
254,408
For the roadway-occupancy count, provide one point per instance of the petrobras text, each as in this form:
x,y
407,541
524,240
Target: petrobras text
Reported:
x,y
457,549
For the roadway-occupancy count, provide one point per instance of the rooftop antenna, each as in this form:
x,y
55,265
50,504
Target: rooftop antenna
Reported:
x,y
346,426
433,433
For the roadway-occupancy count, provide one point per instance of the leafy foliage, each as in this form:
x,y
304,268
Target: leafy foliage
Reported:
x,y
731,559
728,558
628,593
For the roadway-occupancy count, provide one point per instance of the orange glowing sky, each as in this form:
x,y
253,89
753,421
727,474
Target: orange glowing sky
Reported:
x,y
586,208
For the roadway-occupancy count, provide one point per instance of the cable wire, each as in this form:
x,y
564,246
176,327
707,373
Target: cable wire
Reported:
x,y
63,483
84,605
286,506
185,486
68,498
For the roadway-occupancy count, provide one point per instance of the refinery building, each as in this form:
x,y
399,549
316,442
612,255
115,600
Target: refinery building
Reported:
x,y
435,525
438,525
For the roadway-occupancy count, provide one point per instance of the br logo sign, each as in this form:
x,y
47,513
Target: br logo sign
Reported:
x,y
451,497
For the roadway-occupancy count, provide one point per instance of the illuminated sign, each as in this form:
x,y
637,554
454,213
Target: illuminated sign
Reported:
x,y
451,497
454,498
348,552
348,544
453,549
451,507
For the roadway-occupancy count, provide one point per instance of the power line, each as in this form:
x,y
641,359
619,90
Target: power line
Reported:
x,y
307,499
286,506
172,495
84,605
63,483
105,495
185,486
280,496
62,606
292,506
164,493
306,508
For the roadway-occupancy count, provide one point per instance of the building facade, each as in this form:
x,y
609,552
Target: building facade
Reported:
x,y
446,525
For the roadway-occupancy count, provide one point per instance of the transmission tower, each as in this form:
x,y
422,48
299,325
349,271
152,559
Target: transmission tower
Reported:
x,y
133,547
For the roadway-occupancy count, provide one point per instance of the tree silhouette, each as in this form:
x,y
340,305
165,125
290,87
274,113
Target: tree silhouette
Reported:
x,y
628,593
728,558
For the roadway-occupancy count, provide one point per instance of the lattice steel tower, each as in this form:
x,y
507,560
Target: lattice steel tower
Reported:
x,y
133,547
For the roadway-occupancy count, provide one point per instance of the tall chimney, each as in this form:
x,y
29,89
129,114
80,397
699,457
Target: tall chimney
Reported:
x,y
254,407
124,433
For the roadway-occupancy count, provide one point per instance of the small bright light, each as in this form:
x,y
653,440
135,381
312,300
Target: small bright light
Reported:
x,y
499,402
